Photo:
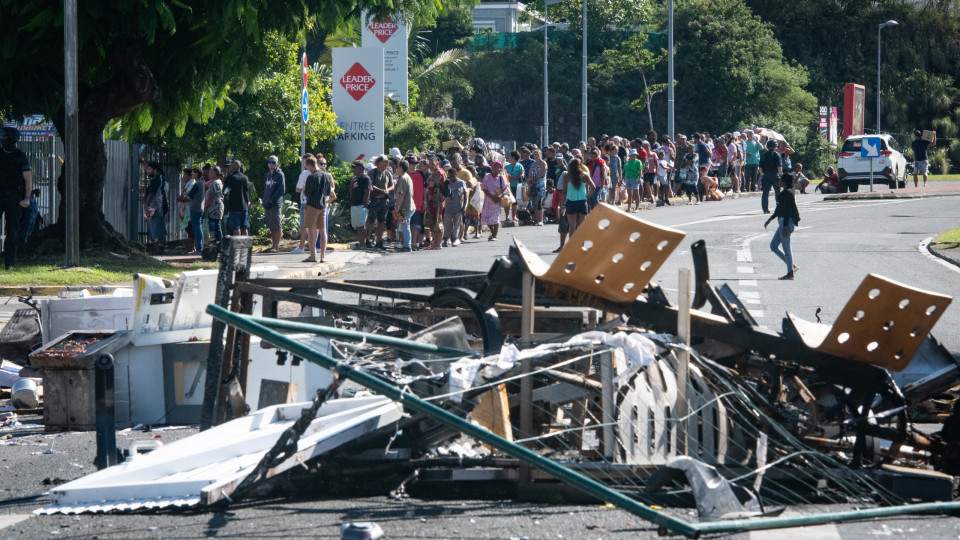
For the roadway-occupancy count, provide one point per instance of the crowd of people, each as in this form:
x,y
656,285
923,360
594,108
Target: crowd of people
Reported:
x,y
434,200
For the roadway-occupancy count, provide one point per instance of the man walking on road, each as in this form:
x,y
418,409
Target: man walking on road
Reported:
x,y
771,168
275,185
16,183
920,149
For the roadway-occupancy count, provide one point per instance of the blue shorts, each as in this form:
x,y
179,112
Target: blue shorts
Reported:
x,y
633,183
237,221
576,207
416,222
156,227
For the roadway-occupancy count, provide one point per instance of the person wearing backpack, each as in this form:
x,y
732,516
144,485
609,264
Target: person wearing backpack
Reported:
x,y
156,205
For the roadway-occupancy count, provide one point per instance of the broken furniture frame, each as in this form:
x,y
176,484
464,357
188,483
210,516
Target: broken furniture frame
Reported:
x,y
564,474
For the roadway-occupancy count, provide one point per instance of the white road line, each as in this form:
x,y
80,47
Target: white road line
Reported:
x,y
750,300
756,313
757,213
744,269
744,256
749,294
924,248
747,282
816,532
12,519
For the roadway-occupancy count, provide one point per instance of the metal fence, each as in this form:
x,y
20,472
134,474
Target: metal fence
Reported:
x,y
123,189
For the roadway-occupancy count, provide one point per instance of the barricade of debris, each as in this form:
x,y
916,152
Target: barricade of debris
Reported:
x,y
580,371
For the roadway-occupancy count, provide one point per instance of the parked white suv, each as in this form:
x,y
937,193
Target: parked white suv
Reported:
x,y
890,168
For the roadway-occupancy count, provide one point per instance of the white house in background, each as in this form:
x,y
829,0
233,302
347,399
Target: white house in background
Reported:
x,y
499,17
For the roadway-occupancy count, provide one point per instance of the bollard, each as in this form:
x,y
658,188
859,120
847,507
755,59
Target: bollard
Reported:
x,y
105,413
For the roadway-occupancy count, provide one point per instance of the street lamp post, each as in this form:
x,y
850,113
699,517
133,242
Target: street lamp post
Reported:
x,y
583,84
670,102
880,27
545,139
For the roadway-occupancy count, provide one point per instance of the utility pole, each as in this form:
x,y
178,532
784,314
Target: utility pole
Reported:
x,y
71,138
670,113
545,139
303,120
583,129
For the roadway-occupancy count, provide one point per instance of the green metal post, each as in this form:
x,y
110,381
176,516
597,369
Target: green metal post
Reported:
x,y
350,335
416,404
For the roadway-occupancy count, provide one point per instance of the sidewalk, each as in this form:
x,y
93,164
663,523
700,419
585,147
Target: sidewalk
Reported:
x,y
932,189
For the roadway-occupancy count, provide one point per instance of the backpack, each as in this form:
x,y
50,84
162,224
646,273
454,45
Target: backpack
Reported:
x,y
445,188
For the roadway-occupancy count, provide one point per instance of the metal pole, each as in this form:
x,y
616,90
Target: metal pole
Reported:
x,y
670,113
546,87
683,359
583,97
879,28
413,403
303,125
71,137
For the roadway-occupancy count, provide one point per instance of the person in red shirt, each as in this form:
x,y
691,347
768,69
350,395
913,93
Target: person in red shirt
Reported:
x,y
830,183
596,167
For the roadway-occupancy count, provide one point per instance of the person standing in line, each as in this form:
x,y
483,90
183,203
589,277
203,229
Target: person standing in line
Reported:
x,y
664,168
275,185
751,161
156,205
195,195
382,184
455,200
238,199
16,184
213,204
788,216
320,193
771,168
632,171
494,185
578,188
433,203
598,174
515,175
650,169
301,182
359,199
404,209
920,149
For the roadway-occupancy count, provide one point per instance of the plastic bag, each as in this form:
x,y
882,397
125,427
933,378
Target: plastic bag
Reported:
x,y
476,200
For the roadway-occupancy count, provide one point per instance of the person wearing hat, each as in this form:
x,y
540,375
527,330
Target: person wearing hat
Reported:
x,y
16,183
274,186
770,169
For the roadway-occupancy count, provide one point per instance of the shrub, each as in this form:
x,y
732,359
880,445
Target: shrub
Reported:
x,y
810,148
939,162
448,129
955,153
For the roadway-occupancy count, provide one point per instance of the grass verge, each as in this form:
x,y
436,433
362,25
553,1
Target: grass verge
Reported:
x,y
949,239
97,267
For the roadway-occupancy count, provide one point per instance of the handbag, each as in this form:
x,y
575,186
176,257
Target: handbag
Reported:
x,y
508,199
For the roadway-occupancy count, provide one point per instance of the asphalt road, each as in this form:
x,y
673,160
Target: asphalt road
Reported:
x,y
836,246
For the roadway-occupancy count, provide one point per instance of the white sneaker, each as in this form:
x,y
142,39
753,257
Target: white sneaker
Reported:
x,y
456,242
297,251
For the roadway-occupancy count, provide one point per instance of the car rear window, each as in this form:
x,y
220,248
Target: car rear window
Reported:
x,y
853,145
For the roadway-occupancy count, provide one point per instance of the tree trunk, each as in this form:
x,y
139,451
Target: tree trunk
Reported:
x,y
132,84
649,98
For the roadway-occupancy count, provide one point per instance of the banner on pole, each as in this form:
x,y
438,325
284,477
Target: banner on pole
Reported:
x,y
391,35
358,91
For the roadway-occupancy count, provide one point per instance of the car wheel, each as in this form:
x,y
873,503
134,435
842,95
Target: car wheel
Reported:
x,y
853,186
903,182
892,184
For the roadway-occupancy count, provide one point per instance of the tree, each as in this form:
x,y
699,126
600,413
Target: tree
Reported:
x,y
633,57
262,120
157,63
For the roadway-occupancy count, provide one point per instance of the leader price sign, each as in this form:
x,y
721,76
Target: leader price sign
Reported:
x,y
358,102
391,36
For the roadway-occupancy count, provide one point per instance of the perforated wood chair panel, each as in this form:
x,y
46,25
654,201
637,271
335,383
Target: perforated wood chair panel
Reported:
x,y
884,323
613,255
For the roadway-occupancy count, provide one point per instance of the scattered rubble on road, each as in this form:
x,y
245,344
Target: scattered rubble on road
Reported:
x,y
580,370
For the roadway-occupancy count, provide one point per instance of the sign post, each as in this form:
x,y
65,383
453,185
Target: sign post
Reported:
x,y
870,148
358,91
304,113
389,34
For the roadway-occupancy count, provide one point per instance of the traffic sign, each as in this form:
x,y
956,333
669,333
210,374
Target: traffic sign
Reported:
x,y
305,106
870,147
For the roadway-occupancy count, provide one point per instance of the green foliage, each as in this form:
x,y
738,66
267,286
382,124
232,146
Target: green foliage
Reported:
x,y
631,58
342,175
955,152
453,30
601,14
448,129
939,162
810,148
264,120
339,229
407,130
440,81
289,217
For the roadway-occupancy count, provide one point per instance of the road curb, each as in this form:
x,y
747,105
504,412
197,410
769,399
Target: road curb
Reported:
x,y
319,269
55,290
877,195
951,256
